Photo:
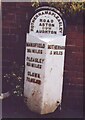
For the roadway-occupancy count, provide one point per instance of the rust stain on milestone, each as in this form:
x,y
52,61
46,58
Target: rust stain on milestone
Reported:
x,y
49,108
34,101
33,93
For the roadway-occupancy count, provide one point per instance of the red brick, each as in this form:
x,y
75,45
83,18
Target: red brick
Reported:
x,y
9,5
74,93
28,4
74,48
9,38
74,80
74,37
9,44
75,41
73,102
73,61
9,24
5,30
9,16
68,86
70,41
8,54
75,74
13,31
73,67
20,12
74,55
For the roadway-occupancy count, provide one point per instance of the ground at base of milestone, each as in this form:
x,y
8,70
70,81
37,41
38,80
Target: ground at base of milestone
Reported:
x,y
15,107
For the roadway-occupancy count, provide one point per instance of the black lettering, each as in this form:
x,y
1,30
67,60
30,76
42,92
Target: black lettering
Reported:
x,y
28,79
60,29
40,20
51,21
52,25
32,26
46,12
36,16
50,52
40,24
32,30
48,20
49,13
39,14
52,32
54,14
55,32
44,20
43,13
29,50
57,17
59,20
36,31
58,52
33,80
38,82
49,24
33,20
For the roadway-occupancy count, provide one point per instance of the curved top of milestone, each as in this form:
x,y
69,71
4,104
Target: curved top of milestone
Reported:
x,y
47,21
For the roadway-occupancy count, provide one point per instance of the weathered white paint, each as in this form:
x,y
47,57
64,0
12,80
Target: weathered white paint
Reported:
x,y
43,98
44,93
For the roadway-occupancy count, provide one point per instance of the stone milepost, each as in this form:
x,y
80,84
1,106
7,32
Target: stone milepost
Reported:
x,y
44,61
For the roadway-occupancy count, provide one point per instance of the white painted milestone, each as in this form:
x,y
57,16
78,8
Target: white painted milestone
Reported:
x,y
44,62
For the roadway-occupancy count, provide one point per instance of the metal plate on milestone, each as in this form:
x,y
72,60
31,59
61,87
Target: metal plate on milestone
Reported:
x,y
47,22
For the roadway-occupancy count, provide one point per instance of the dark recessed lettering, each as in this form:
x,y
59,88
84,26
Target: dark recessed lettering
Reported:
x,y
60,29
39,14
32,26
56,47
29,50
44,20
36,31
32,30
48,20
46,12
57,17
51,21
38,82
37,75
59,20
55,32
40,20
52,32
33,21
38,45
49,13
43,13
34,65
52,25
40,24
58,52
33,80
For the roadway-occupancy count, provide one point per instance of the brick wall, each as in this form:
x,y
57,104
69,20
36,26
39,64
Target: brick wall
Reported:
x,y
73,73
15,21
